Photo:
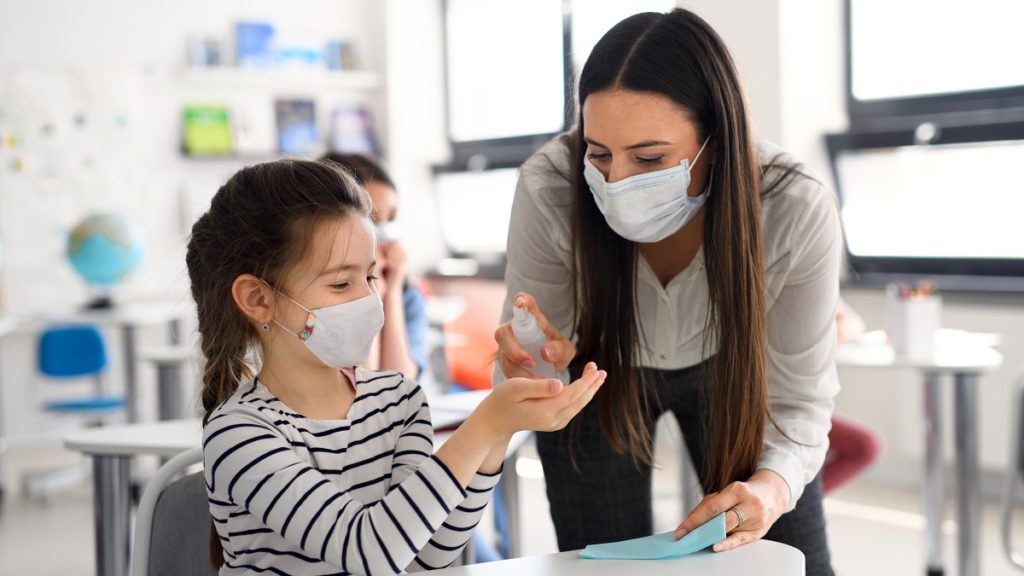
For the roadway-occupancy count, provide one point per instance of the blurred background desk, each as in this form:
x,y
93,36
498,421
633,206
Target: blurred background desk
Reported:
x,y
965,356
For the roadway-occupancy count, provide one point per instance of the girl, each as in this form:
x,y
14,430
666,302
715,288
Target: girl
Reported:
x,y
313,466
701,269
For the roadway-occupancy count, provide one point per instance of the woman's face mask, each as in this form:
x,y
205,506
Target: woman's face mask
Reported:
x,y
647,207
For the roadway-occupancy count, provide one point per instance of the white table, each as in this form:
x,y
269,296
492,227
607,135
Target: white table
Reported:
x,y
762,557
172,386
965,356
113,447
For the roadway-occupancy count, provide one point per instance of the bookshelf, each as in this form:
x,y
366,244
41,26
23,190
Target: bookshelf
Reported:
x,y
250,93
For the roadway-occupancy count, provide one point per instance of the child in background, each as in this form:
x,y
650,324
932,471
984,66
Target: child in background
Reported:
x,y
312,465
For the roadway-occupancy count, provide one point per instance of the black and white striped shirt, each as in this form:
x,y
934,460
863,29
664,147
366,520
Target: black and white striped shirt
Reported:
x,y
365,495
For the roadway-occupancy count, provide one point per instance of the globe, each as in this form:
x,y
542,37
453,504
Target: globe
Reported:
x,y
104,249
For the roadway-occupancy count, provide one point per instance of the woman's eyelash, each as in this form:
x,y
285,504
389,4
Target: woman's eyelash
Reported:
x,y
650,161
595,156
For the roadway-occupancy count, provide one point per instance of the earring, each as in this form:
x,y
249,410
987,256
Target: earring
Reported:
x,y
266,326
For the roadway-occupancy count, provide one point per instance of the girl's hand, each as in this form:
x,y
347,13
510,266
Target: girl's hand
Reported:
x,y
518,363
750,508
538,405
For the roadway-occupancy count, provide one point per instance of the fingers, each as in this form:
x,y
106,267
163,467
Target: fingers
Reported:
x,y
559,353
531,388
712,505
581,393
525,300
515,362
734,540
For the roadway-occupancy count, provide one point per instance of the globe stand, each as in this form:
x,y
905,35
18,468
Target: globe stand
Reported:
x,y
101,302
99,298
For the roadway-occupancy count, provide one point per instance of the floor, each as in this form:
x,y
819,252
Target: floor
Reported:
x,y
873,528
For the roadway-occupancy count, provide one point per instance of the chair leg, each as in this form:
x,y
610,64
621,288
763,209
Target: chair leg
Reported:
x,y
1014,557
1014,477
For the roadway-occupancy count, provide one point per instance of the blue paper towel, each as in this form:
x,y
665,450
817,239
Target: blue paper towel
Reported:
x,y
660,546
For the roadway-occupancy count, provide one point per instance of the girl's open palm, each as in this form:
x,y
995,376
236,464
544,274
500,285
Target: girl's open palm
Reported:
x,y
540,405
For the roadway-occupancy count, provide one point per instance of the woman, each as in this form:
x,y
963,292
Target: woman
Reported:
x,y
701,271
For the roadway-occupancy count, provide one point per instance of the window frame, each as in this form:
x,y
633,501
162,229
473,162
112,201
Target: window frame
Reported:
x,y
512,151
966,274
957,107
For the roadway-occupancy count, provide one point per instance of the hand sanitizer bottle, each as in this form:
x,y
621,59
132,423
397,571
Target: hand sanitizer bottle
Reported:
x,y
531,338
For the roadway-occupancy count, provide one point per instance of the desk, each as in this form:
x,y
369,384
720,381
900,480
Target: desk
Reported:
x,y
112,449
966,357
762,557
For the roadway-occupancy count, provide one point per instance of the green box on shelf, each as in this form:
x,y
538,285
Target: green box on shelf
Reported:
x,y
207,130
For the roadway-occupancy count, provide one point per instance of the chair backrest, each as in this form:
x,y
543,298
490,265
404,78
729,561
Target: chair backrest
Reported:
x,y
172,527
70,351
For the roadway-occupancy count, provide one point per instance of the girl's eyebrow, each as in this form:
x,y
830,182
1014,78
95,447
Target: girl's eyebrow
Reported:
x,y
346,268
337,269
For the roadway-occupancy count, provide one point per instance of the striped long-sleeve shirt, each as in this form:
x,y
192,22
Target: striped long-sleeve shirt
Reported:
x,y
364,495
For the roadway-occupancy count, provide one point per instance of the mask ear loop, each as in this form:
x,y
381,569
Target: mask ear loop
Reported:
x,y
706,140
307,329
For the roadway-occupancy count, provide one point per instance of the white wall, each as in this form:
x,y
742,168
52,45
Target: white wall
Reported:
x,y
751,32
416,131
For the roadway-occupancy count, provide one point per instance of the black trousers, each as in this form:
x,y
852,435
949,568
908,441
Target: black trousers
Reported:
x,y
609,498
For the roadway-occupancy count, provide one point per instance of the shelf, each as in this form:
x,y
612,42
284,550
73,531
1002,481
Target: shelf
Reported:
x,y
281,78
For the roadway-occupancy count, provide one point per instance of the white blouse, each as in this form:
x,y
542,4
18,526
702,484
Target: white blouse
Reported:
x,y
802,249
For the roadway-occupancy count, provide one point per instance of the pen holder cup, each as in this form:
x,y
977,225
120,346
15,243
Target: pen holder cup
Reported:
x,y
913,323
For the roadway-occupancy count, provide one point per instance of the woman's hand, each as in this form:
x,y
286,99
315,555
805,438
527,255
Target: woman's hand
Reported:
x,y
750,508
518,363
539,405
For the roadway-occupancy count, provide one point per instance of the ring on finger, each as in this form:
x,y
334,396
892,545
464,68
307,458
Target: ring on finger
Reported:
x,y
739,516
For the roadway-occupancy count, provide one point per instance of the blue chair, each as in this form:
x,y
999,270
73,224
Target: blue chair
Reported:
x,y
68,354
71,352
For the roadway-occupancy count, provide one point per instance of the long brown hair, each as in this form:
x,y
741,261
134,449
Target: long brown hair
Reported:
x,y
680,56
260,222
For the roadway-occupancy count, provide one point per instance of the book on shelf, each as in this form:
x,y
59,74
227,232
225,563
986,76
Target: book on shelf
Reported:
x,y
255,45
352,131
340,55
206,130
296,126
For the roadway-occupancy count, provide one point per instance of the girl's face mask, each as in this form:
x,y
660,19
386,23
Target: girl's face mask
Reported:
x,y
341,335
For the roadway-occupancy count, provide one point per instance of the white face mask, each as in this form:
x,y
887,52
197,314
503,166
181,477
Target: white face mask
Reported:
x,y
341,335
387,232
647,207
